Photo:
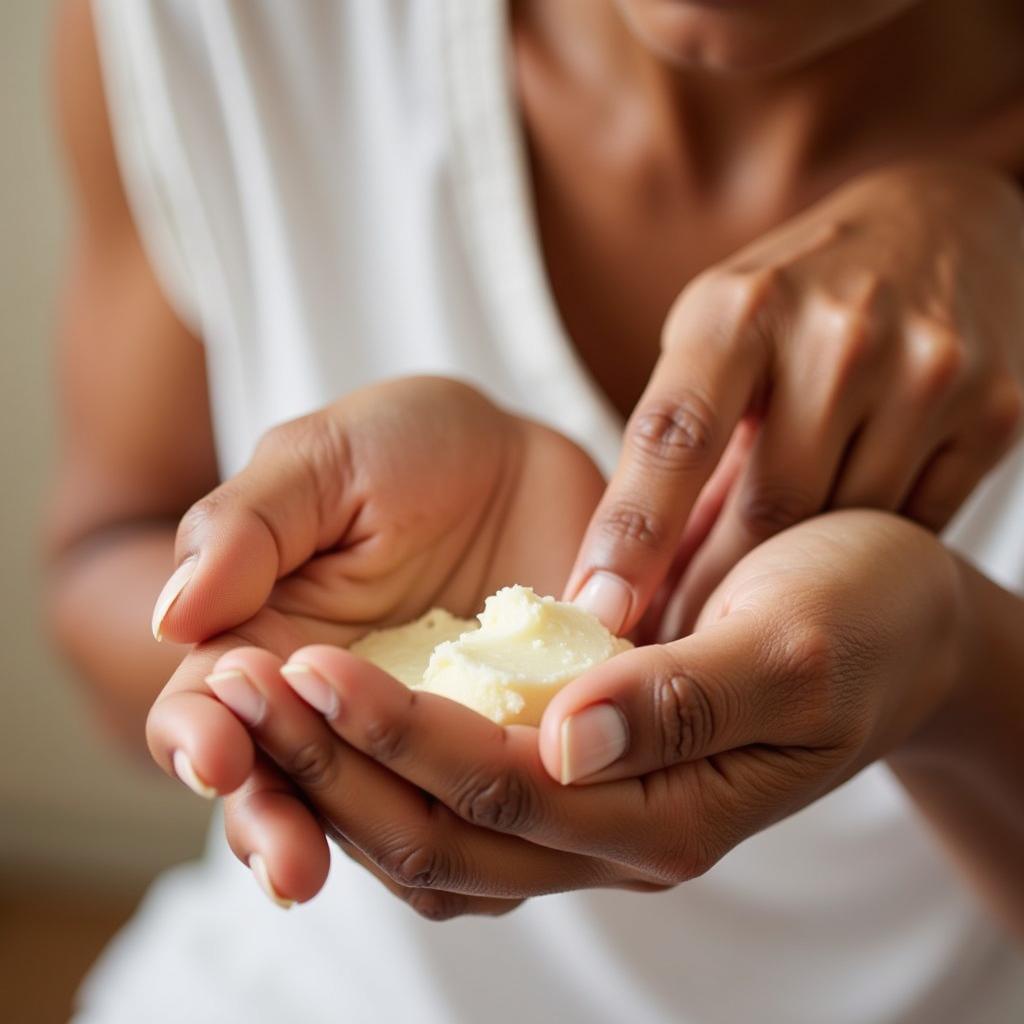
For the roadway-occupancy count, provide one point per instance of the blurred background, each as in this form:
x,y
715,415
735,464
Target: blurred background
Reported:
x,y
83,826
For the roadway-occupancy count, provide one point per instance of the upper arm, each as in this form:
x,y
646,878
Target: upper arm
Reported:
x,y
134,424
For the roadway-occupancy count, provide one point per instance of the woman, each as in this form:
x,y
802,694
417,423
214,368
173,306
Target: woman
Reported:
x,y
784,241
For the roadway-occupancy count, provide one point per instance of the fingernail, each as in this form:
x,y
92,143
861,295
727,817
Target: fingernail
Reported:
x,y
172,590
258,867
233,688
608,597
312,688
592,739
185,771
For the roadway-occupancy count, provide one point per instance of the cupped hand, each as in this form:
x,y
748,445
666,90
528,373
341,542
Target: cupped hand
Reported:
x,y
874,341
825,649
403,496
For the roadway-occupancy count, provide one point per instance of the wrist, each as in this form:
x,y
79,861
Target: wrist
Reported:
x,y
958,667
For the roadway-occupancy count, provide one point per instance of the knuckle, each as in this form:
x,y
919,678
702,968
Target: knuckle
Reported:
x,y
384,738
673,433
807,653
195,520
682,864
856,337
415,863
436,906
294,435
683,718
939,358
313,765
318,447
816,679
504,801
808,685
623,523
738,298
768,508
744,286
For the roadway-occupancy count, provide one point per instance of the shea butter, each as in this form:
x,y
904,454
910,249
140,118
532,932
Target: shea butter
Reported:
x,y
507,666
404,651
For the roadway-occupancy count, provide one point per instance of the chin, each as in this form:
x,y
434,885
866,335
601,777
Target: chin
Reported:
x,y
751,37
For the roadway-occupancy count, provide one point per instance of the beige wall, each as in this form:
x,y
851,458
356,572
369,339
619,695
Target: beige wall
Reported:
x,y
68,802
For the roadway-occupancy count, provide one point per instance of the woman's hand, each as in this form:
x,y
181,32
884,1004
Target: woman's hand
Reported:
x,y
878,340
394,499
823,650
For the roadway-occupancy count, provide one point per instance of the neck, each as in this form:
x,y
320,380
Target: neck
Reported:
x,y
923,75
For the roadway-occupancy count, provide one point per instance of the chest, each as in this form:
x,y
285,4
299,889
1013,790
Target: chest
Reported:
x,y
623,224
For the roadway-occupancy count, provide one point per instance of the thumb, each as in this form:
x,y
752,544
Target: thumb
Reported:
x,y
658,706
292,500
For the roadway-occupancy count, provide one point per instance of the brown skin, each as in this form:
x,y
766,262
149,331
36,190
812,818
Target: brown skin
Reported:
x,y
316,541
136,441
627,219
645,176
768,705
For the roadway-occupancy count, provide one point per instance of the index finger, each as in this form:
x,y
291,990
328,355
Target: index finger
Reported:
x,y
701,388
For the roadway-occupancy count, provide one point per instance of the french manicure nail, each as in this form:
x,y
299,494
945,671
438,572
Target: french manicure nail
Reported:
x,y
312,688
185,771
258,867
608,597
234,689
592,739
171,591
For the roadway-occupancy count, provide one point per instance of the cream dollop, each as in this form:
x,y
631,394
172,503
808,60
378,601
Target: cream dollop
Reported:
x,y
524,650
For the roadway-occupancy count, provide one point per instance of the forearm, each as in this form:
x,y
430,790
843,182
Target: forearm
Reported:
x,y
101,596
965,768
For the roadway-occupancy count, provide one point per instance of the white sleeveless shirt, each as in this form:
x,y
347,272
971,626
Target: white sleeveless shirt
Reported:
x,y
335,193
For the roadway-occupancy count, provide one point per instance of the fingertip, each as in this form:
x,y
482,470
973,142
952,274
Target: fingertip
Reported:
x,y
608,597
257,864
301,875
168,597
338,666
253,661
186,772
277,837
586,726
198,741
220,585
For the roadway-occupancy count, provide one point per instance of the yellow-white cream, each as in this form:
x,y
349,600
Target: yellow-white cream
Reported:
x,y
524,651
404,651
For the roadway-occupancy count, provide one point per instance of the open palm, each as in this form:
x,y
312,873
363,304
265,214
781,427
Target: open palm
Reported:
x,y
394,499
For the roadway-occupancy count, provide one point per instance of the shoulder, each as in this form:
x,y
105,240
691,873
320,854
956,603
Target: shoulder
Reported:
x,y
82,117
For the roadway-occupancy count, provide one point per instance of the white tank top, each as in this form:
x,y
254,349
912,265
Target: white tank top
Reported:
x,y
334,193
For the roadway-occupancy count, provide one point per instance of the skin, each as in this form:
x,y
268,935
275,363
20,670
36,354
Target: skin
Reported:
x,y
307,563
621,254
136,444
717,133
922,346
768,704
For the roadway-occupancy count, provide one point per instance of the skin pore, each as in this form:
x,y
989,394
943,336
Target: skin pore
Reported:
x,y
662,139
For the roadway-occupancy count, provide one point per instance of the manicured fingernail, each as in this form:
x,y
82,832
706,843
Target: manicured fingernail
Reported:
x,y
233,688
312,688
592,739
258,867
185,771
608,597
171,592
